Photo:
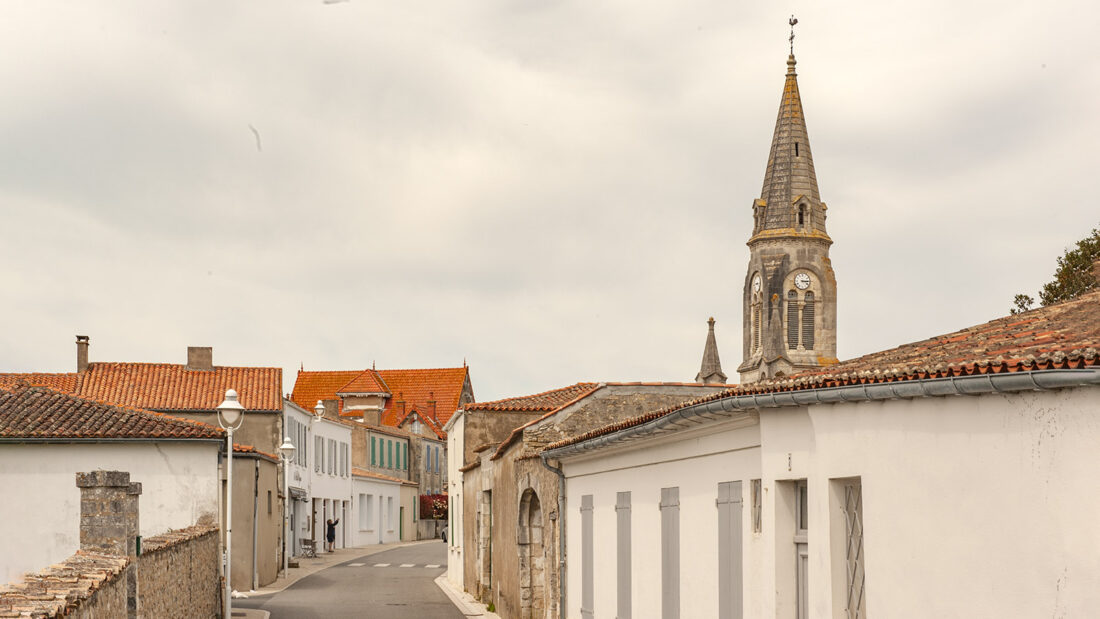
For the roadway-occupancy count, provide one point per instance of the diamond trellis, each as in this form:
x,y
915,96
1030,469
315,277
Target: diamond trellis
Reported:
x,y
853,515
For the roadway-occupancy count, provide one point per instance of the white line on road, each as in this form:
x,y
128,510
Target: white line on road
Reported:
x,y
432,565
408,565
356,564
381,565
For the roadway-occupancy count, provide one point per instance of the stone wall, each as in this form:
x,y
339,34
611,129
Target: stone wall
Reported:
x,y
178,574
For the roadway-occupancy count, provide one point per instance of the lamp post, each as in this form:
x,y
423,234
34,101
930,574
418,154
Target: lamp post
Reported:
x,y
287,451
230,417
318,415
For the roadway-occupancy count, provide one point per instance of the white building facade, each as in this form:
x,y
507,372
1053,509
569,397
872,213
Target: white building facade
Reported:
x,y
330,485
940,497
376,511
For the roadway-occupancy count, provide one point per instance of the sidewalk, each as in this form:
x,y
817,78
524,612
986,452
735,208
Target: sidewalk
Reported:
x,y
465,602
311,566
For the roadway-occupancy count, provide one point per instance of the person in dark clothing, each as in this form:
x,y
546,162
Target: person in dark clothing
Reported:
x,y
330,533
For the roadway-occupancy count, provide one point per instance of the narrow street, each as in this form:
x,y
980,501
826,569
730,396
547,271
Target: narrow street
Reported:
x,y
395,584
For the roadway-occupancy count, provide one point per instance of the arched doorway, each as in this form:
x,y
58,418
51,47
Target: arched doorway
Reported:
x,y
532,558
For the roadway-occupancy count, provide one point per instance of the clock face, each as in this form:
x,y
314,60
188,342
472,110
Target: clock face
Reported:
x,y
802,280
756,284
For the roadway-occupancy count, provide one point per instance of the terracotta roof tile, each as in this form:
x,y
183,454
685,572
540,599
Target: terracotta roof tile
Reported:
x,y
249,449
1061,336
41,413
65,383
368,381
168,387
358,472
546,401
416,388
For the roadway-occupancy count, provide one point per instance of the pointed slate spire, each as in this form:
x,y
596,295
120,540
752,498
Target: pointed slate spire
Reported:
x,y
789,199
711,370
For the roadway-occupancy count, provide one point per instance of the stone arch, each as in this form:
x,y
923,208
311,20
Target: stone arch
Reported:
x,y
532,557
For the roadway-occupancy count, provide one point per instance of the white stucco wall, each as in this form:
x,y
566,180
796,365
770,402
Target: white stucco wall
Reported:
x,y
696,465
456,435
973,506
379,525
41,505
331,490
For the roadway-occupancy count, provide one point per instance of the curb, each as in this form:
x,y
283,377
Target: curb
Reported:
x,y
465,602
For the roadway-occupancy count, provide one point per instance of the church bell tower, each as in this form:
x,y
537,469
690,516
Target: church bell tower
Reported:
x,y
790,288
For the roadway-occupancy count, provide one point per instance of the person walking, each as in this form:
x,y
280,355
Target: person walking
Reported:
x,y
330,534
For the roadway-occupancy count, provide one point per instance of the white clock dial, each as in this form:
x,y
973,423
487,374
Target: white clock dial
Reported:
x,y
756,284
802,281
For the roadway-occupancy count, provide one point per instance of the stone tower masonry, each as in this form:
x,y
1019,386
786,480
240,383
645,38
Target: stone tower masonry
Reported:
x,y
790,288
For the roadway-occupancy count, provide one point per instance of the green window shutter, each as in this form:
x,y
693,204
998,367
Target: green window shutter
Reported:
x,y
389,454
372,460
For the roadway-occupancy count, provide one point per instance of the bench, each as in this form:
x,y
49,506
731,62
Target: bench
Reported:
x,y
309,548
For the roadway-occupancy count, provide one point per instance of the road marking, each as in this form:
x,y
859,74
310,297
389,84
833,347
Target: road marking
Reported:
x,y
381,565
431,566
356,564
408,565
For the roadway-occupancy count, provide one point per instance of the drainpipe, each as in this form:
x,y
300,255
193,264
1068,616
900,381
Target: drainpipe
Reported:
x,y
255,517
561,533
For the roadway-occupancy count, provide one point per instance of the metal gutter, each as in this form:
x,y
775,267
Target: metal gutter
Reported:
x,y
1039,380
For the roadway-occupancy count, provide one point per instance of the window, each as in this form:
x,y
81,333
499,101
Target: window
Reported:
x,y
801,214
808,321
269,502
363,511
622,561
853,596
796,154
587,576
801,525
319,456
670,553
389,513
757,505
369,511
730,582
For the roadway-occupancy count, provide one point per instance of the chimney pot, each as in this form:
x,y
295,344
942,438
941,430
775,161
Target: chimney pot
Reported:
x,y
200,358
81,353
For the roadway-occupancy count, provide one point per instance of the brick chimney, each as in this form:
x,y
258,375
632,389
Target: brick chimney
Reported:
x,y
200,358
109,521
81,353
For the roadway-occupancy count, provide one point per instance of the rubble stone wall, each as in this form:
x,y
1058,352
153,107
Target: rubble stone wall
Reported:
x,y
178,574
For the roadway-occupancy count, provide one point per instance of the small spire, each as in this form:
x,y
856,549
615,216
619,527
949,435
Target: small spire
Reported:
x,y
710,372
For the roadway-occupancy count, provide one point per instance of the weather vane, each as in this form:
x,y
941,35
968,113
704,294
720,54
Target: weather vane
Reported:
x,y
792,21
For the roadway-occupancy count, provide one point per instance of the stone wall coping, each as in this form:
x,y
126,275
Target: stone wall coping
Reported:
x,y
60,588
175,537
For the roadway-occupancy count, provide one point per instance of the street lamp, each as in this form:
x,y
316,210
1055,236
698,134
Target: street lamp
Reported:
x,y
319,411
287,451
230,417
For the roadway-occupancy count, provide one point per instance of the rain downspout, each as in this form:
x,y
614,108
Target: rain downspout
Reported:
x,y
255,516
561,533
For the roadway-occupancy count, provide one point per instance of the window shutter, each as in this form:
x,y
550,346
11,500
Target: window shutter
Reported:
x,y
587,589
729,550
670,553
808,322
792,320
622,533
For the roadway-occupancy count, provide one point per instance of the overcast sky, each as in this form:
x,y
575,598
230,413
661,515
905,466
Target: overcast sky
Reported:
x,y
552,191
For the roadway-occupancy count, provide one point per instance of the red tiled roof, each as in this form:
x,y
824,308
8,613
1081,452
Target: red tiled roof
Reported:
x,y
419,387
310,387
358,472
414,387
1061,336
546,401
368,381
580,394
65,383
41,413
249,449
169,387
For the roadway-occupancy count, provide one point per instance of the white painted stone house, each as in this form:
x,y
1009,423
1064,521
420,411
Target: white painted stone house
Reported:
x,y
945,478
47,437
376,514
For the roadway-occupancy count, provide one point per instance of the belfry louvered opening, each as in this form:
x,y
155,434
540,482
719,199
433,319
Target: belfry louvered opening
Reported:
x,y
792,320
808,321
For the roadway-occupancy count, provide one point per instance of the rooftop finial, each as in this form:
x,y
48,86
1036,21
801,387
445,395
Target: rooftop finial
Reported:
x,y
792,21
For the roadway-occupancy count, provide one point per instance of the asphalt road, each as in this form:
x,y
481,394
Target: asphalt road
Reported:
x,y
372,587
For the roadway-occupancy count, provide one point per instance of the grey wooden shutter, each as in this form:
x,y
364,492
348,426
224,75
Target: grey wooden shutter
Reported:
x,y
622,532
729,550
670,553
587,588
